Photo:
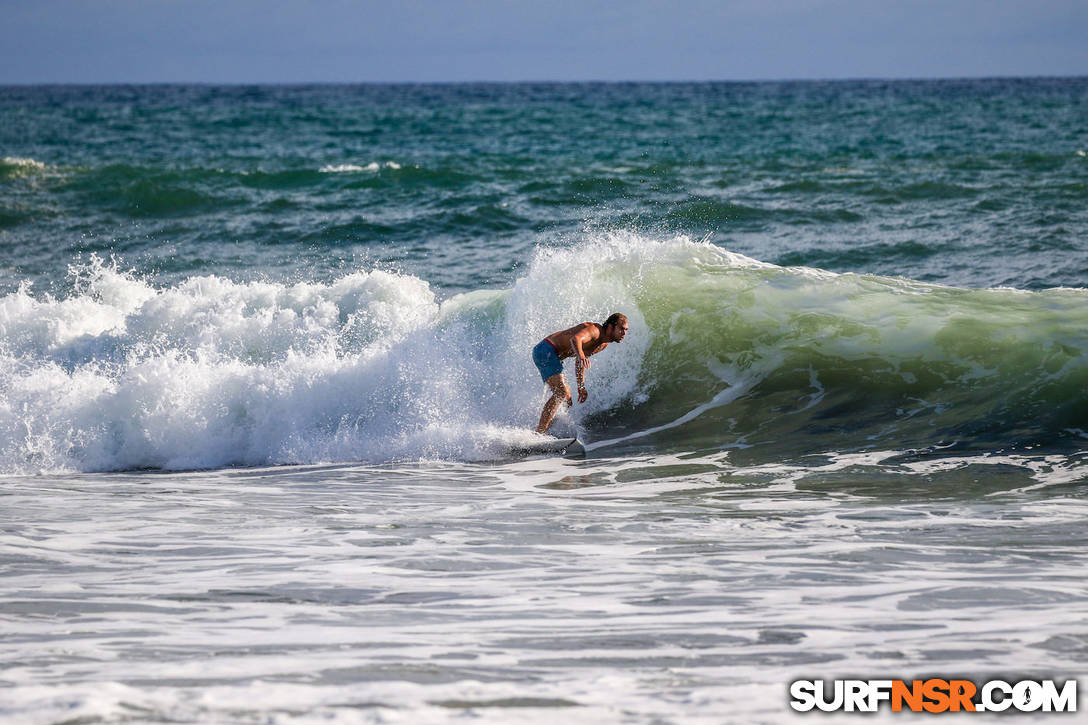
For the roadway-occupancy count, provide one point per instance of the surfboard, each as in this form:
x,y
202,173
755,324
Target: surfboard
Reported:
x,y
565,446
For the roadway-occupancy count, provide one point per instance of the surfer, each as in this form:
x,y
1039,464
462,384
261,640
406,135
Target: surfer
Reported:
x,y
580,341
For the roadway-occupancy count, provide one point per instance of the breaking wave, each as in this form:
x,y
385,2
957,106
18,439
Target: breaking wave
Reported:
x,y
724,351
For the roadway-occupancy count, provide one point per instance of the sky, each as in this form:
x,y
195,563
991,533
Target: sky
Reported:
x,y
303,41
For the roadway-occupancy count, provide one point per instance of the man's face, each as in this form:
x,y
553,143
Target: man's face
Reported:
x,y
619,331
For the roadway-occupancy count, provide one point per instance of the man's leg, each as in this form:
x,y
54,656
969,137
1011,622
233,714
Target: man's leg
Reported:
x,y
557,386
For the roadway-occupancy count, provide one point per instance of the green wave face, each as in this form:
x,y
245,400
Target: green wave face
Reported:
x,y
743,353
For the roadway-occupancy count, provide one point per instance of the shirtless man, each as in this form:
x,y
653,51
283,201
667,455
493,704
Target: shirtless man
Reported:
x,y
580,341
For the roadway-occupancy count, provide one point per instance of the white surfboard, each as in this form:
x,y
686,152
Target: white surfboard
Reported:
x,y
564,446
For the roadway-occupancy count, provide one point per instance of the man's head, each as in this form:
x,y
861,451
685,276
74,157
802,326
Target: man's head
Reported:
x,y
615,327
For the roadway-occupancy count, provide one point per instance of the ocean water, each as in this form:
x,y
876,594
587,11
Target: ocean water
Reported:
x,y
264,352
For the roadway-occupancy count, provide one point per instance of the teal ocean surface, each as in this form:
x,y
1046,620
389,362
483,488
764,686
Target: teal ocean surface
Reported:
x,y
265,351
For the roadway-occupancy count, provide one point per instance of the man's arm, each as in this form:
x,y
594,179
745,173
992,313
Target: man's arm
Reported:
x,y
581,361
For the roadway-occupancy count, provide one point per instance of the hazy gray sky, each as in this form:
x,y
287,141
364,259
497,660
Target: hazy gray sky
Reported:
x,y
242,41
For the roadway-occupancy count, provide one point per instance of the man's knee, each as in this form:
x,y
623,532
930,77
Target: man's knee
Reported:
x,y
558,387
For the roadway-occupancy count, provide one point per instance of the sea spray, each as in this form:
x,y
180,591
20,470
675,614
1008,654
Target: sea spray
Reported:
x,y
211,372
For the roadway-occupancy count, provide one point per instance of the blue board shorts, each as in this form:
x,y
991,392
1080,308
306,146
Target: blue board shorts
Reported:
x,y
547,360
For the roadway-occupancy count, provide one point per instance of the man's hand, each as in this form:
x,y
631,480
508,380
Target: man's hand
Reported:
x,y
582,394
584,362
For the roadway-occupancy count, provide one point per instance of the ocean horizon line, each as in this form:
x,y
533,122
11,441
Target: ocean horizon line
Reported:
x,y
543,82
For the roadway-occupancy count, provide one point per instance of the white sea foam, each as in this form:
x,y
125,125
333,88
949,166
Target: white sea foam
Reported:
x,y
18,166
22,162
355,168
211,372
643,589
